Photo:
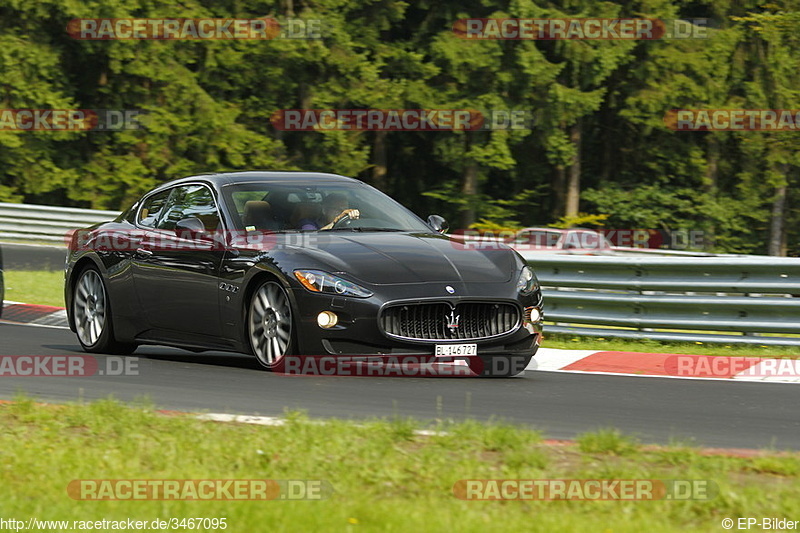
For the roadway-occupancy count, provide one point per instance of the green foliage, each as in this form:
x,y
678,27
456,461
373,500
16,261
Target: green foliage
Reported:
x,y
581,220
209,105
485,225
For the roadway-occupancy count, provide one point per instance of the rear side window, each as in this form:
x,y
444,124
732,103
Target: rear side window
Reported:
x,y
190,201
152,209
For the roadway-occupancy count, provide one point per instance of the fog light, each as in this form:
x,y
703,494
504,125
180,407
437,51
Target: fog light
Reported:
x,y
532,315
327,319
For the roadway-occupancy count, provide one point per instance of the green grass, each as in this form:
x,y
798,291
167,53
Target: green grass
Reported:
x,y
385,477
575,342
35,286
607,441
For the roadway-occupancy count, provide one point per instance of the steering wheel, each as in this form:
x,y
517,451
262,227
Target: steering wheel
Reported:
x,y
343,222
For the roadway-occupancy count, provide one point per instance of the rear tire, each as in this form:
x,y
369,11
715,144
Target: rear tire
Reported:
x,y
91,312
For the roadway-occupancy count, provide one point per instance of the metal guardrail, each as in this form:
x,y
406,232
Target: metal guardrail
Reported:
x,y
44,223
749,299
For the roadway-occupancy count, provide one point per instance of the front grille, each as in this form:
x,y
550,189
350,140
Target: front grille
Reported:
x,y
440,321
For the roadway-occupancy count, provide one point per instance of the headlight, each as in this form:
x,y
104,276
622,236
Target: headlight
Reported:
x,y
319,281
527,282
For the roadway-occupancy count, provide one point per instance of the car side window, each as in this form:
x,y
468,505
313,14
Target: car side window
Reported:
x,y
152,209
190,201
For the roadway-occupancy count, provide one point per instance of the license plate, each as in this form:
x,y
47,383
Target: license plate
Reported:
x,y
447,350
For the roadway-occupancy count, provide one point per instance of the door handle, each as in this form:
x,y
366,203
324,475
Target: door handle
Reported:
x,y
143,251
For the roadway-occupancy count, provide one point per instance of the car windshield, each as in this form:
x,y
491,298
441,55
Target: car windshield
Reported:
x,y
335,206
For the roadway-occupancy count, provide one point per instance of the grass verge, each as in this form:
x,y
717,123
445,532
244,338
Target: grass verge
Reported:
x,y
386,477
42,287
575,342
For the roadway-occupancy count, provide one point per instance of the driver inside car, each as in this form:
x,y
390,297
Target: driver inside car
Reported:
x,y
334,208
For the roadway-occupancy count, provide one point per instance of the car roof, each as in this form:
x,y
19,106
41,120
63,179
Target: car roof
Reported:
x,y
283,176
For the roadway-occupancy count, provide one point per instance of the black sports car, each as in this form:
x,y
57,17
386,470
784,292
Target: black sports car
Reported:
x,y
290,263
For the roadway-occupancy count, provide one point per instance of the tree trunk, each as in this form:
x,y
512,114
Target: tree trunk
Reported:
x,y
559,192
777,222
613,153
710,182
469,186
470,189
379,169
712,157
574,174
611,157
306,96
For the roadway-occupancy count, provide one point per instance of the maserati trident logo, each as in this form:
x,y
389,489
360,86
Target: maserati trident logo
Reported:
x,y
452,321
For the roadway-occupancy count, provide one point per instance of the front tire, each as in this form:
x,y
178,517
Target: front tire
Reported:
x,y
91,311
270,325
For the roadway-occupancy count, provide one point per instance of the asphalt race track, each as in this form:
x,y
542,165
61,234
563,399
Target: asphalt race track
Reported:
x,y
701,412
33,257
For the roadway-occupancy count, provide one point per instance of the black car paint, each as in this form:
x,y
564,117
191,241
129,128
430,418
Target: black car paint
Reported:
x,y
198,299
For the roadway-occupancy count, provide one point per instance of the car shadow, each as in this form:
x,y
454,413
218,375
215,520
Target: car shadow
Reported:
x,y
176,355
248,362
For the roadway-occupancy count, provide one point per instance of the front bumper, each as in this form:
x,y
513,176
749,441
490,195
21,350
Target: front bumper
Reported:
x,y
358,331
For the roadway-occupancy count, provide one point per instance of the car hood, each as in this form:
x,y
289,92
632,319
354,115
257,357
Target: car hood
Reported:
x,y
383,258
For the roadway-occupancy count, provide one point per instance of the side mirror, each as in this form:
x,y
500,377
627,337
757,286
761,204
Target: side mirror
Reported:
x,y
190,228
438,224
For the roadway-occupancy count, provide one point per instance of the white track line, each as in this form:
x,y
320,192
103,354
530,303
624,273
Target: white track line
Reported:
x,y
31,324
556,359
273,421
